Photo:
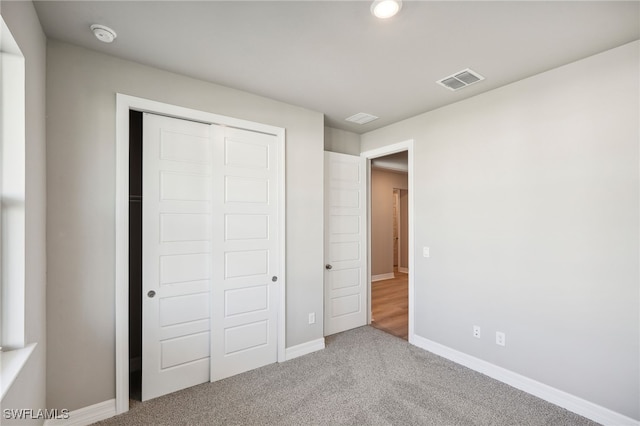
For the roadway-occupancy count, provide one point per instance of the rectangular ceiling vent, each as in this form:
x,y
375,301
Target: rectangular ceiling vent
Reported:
x,y
361,118
460,79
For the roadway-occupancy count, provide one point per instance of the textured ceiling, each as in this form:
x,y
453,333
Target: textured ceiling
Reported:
x,y
336,58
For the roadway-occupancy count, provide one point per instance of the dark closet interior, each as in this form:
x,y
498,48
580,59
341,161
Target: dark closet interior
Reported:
x,y
135,255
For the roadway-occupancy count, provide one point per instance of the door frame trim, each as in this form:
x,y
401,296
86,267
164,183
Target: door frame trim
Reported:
x,y
124,103
367,156
398,220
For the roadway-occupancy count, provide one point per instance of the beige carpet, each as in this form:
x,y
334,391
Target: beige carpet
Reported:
x,y
363,377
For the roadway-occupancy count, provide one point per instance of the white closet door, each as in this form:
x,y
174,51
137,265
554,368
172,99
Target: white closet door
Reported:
x,y
246,257
177,254
345,283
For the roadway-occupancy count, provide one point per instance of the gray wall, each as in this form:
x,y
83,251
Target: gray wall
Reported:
x,y
383,182
528,197
342,141
28,391
81,94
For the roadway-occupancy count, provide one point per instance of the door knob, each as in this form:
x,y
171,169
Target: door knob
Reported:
x,y
328,266
274,278
151,293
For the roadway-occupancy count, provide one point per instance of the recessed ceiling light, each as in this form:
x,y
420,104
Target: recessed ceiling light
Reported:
x,y
103,33
384,9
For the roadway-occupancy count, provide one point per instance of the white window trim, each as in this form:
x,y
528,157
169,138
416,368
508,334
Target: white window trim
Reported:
x,y
11,363
14,354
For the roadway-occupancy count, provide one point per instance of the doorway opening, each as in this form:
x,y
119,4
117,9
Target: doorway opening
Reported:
x,y
389,195
135,255
369,157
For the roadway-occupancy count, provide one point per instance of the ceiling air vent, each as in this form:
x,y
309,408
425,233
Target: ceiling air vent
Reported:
x,y
361,118
460,79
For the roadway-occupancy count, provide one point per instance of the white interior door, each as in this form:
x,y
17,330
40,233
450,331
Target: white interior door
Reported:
x,y
345,283
177,254
247,281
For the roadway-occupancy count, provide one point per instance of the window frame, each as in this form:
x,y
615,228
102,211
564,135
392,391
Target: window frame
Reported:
x,y
14,353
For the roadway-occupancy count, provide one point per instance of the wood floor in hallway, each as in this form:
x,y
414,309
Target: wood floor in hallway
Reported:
x,y
390,305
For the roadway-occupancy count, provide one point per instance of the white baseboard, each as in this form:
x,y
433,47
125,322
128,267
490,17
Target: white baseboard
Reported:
x,y
403,269
555,396
304,348
87,415
380,277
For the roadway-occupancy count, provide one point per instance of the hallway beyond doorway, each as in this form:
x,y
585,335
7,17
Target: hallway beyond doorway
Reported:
x,y
389,305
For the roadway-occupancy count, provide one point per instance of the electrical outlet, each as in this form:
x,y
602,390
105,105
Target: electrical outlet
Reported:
x,y
312,318
476,331
500,338
425,252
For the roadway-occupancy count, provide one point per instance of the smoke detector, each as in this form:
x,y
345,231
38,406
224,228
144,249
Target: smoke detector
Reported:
x,y
460,80
103,33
